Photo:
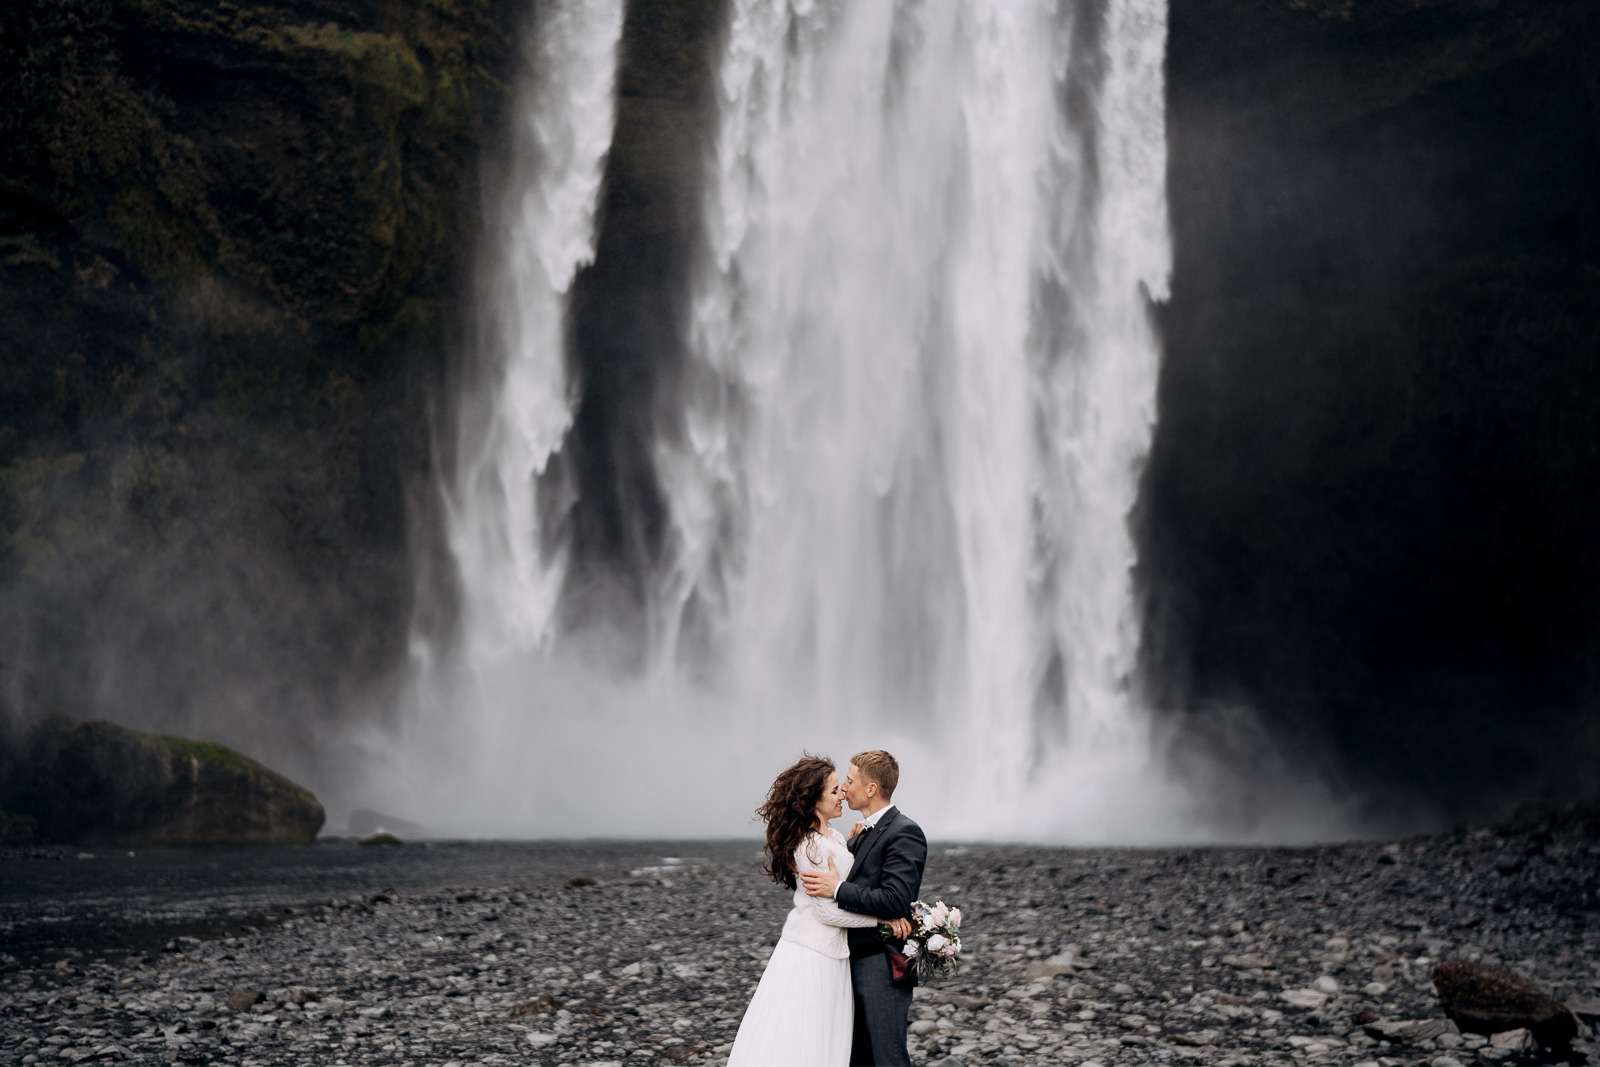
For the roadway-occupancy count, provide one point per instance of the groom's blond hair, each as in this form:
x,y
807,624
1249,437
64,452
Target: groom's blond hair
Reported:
x,y
878,766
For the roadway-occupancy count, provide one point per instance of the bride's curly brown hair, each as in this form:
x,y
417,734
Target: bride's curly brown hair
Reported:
x,y
791,813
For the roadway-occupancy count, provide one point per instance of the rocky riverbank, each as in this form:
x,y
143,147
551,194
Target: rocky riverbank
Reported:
x,y
1183,956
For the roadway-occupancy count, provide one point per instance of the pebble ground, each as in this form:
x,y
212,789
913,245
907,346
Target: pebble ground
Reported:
x,y
1224,956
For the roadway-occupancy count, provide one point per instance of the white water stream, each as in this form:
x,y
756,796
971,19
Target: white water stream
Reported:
x,y
515,420
921,391
926,386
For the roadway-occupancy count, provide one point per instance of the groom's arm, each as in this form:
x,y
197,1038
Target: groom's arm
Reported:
x,y
898,884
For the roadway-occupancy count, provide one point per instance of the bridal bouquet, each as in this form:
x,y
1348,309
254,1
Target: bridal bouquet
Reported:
x,y
934,947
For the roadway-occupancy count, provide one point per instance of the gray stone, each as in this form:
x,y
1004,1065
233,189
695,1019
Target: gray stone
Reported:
x,y
465,974
1518,1040
1247,962
1054,967
1407,1031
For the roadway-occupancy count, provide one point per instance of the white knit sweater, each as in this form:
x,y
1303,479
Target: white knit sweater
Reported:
x,y
817,922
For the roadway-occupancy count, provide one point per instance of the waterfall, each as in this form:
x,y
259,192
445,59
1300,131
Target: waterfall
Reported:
x,y
897,469
924,385
516,417
462,733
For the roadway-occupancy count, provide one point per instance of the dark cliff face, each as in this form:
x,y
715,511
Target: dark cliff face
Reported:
x,y
233,240
1369,515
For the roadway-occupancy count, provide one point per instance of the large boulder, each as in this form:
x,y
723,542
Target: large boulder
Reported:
x,y
98,783
1490,1000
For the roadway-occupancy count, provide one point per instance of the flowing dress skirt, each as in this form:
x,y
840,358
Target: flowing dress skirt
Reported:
x,y
802,1014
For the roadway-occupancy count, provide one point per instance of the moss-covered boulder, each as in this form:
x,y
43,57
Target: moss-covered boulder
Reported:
x,y
98,783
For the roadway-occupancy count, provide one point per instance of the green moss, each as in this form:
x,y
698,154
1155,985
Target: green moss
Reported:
x,y
415,315
167,245
221,755
110,153
202,360
417,81
338,395
209,751
225,310
23,250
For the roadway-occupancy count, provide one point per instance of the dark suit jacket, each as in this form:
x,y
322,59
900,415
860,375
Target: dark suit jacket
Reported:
x,y
885,878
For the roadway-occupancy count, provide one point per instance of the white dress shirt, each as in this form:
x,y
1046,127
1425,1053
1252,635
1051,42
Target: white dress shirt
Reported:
x,y
876,817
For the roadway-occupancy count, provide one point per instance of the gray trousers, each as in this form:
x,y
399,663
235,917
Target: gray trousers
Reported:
x,y
883,1012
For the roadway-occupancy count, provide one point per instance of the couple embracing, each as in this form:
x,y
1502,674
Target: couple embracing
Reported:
x,y
828,996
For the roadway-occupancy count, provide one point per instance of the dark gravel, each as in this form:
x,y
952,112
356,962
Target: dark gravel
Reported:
x,y
484,954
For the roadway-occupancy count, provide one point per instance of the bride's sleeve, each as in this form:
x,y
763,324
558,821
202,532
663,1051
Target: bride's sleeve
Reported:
x,y
813,856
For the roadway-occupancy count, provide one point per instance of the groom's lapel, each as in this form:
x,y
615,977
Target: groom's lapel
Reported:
x,y
874,840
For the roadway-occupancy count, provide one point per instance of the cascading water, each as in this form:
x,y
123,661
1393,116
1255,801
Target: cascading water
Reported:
x,y
453,745
898,466
925,385
515,421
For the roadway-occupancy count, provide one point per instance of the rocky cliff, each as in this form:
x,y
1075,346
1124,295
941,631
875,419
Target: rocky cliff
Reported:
x,y
1365,516
234,244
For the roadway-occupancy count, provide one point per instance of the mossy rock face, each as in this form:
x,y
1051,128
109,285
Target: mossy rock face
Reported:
x,y
103,784
235,248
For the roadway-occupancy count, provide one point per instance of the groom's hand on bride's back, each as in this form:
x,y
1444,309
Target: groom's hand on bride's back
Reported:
x,y
821,883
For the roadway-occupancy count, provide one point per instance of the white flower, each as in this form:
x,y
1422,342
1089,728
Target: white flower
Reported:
x,y
912,948
955,916
937,942
937,916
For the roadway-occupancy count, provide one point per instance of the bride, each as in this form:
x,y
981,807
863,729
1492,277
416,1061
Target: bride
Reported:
x,y
802,1012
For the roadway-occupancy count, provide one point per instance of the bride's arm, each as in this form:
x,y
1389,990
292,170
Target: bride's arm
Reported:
x,y
813,856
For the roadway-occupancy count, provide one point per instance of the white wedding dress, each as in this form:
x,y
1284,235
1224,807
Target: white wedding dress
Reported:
x,y
802,1014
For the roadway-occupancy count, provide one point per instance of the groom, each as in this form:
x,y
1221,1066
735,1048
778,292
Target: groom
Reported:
x,y
885,878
